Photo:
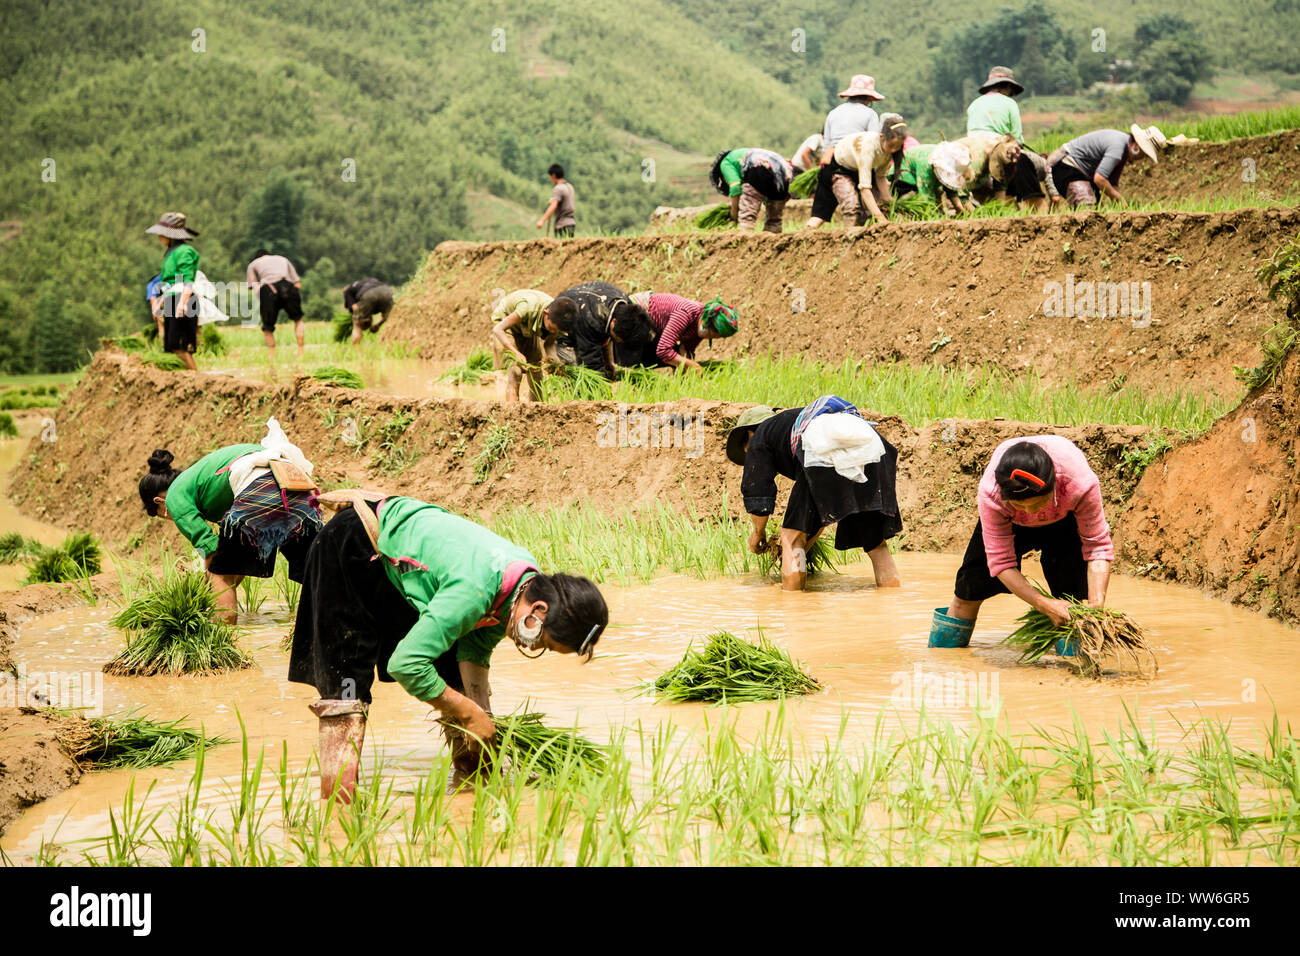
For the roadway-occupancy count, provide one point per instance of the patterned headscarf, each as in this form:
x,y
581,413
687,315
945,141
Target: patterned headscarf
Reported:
x,y
721,318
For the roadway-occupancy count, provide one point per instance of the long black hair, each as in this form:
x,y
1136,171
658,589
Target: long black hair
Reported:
x,y
1027,458
158,480
575,607
631,323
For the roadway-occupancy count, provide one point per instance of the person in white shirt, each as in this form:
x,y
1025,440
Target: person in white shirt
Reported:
x,y
275,282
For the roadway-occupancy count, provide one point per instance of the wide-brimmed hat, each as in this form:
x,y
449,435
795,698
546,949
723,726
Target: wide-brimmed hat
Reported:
x,y
999,76
736,437
1149,140
172,225
951,161
861,85
1000,166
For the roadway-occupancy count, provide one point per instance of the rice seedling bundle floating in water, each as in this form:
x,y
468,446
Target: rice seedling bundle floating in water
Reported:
x,y
530,747
79,556
719,217
805,184
1098,633
472,371
14,548
172,631
334,375
107,743
818,556
729,669
8,427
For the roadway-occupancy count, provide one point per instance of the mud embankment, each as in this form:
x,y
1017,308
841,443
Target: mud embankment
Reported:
x,y
953,293
435,449
1223,512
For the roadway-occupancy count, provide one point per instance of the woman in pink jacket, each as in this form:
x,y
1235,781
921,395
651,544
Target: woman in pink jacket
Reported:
x,y
1037,494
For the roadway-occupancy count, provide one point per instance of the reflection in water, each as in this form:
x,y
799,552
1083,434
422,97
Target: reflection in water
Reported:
x,y
868,648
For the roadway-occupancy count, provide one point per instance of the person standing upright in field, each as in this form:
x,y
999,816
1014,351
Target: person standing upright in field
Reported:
x,y
995,110
277,285
561,206
851,117
180,303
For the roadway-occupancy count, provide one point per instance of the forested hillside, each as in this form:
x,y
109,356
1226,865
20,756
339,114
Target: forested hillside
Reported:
x,y
365,135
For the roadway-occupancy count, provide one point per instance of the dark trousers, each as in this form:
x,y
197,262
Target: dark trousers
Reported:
x,y
1061,551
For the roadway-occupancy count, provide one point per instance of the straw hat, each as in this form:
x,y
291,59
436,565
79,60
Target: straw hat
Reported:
x,y
861,85
999,76
1149,140
736,437
951,163
172,225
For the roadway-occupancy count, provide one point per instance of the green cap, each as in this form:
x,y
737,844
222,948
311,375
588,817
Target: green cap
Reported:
x,y
736,437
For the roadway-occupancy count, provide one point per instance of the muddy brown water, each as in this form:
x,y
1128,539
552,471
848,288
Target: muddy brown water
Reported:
x,y
867,646
402,377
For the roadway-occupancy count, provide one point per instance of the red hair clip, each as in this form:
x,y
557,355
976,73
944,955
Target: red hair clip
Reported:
x,y
1034,479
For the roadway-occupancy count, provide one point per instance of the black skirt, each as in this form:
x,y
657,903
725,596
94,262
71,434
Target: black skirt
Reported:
x,y
865,512
350,617
180,332
1061,554
824,201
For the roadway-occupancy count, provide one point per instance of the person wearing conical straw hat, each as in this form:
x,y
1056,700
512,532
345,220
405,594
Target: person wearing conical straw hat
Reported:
x,y
1037,494
843,473
180,303
995,110
405,590
1090,165
851,117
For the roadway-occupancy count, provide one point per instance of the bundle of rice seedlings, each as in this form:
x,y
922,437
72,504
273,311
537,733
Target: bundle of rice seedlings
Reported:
x,y
14,548
912,206
472,371
576,383
334,375
128,343
110,743
173,631
8,427
211,342
805,184
719,217
341,327
820,556
1100,632
529,746
728,669
79,556
162,360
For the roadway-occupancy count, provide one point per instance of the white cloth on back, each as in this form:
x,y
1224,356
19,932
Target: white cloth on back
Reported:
x,y
275,447
842,441
208,308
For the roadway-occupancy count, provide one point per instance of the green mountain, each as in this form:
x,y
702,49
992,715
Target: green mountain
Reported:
x,y
394,126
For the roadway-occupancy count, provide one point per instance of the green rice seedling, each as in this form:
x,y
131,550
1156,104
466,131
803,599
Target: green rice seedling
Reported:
x,y
729,669
110,743
162,360
912,206
803,185
818,556
1098,632
336,375
211,342
525,744
719,217
393,455
471,371
8,427
288,589
575,383
1278,343
341,327
496,446
129,343
172,631
79,556
253,593
14,548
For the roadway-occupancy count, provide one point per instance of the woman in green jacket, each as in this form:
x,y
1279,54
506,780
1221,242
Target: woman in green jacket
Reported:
x,y
180,303
404,588
252,524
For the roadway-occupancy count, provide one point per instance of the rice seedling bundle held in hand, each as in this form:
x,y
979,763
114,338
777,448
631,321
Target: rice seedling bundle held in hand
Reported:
x,y
818,556
719,217
805,184
729,669
1098,632
172,631
528,746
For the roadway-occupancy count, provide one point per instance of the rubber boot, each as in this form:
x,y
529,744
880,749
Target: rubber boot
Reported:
x,y
342,731
948,631
1067,647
